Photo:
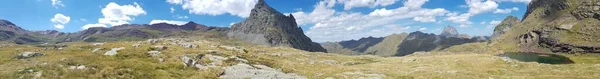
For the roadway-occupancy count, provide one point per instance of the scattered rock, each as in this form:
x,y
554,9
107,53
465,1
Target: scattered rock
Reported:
x,y
154,53
188,45
26,55
97,44
361,75
113,51
80,67
37,75
187,61
233,49
243,70
329,62
152,41
97,49
158,48
135,45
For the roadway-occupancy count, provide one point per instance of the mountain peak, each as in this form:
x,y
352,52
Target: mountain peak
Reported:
x,y
6,23
449,31
262,8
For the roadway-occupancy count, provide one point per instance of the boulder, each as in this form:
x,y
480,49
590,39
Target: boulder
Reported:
x,y
152,41
243,70
188,45
113,51
26,55
158,48
97,44
97,49
154,53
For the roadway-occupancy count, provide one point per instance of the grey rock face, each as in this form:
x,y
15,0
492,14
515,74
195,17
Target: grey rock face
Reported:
x,y
26,55
504,26
449,31
550,6
588,9
266,26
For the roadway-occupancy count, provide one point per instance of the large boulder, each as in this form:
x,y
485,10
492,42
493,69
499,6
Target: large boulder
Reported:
x,y
26,55
114,51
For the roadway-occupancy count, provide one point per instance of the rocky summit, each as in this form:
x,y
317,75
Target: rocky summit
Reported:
x,y
266,26
449,31
504,26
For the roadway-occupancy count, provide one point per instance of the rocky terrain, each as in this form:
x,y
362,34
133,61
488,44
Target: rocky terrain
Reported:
x,y
568,26
504,26
266,26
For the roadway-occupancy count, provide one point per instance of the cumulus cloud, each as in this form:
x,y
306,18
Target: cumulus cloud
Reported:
x,y
60,20
168,22
505,11
494,22
475,7
422,29
57,3
522,1
239,8
172,10
115,14
331,25
93,25
349,4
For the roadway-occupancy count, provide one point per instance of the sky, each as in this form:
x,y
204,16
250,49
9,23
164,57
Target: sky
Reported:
x,y
321,20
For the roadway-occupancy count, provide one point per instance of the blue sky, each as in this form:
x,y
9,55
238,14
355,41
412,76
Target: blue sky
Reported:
x,y
322,20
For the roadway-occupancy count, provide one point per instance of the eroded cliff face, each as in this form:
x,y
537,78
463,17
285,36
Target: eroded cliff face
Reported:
x,y
266,26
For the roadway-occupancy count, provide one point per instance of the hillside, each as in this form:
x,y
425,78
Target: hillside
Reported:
x,y
568,26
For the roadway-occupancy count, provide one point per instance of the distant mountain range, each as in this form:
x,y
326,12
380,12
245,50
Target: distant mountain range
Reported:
x,y
402,44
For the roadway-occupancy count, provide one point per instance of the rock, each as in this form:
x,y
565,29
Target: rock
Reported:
x,y
26,55
449,31
243,70
266,26
97,44
113,51
361,75
504,26
233,49
80,67
152,41
158,48
135,45
187,61
154,53
188,45
37,75
97,49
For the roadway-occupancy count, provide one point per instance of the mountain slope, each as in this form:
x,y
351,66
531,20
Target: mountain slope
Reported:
x,y
556,26
266,26
388,46
504,26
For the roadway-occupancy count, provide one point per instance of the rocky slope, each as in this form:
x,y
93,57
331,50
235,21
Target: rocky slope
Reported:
x,y
266,26
419,41
504,26
556,26
388,46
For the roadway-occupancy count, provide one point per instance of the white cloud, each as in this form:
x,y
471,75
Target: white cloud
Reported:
x,y
475,7
172,10
168,22
414,4
239,8
93,25
349,4
60,20
182,17
482,22
505,11
175,1
57,3
422,29
115,14
523,1
494,22
331,25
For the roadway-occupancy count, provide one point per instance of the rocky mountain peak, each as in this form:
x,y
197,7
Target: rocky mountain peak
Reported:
x,y
266,26
449,31
550,7
504,26
6,23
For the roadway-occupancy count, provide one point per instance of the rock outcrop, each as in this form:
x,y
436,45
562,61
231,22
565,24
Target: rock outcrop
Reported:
x,y
266,26
419,41
449,31
504,26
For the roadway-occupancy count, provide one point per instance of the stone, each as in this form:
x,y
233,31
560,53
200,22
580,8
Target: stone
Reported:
x,y
188,45
97,49
135,45
154,53
187,61
243,70
152,41
233,49
26,55
158,48
113,51
97,44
